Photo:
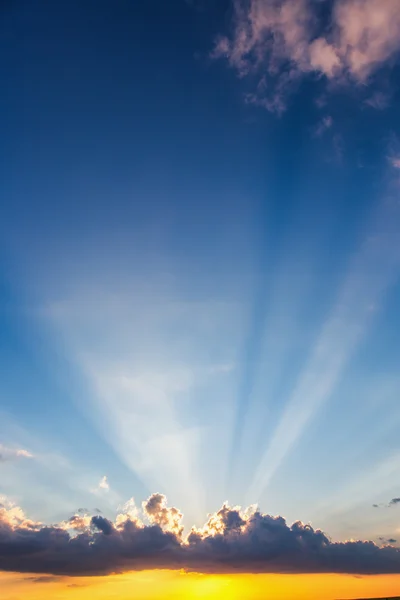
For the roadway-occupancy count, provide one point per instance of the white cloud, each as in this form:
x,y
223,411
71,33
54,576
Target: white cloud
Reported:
x,y
103,485
14,516
9,454
284,36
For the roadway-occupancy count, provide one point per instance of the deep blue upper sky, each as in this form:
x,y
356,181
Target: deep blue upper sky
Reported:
x,y
199,259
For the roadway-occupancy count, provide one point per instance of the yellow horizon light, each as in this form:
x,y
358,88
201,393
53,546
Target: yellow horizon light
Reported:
x,y
170,585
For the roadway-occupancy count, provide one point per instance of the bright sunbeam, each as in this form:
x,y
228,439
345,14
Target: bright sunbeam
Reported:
x,y
372,271
199,299
146,383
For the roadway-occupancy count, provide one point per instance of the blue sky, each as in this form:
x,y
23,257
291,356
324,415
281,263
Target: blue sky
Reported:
x,y
200,259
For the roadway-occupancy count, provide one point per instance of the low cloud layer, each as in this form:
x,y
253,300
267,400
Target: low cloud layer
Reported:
x,y
343,41
232,540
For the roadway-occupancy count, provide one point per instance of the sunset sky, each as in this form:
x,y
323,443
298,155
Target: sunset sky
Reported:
x,y
199,299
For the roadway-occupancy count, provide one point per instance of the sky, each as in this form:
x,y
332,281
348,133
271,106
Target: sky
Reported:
x,y
199,291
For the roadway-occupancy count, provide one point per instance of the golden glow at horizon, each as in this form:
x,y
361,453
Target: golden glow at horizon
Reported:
x,y
170,585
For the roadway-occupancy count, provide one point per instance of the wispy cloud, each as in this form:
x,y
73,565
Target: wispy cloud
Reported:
x,y
394,501
323,126
378,100
103,486
10,454
284,40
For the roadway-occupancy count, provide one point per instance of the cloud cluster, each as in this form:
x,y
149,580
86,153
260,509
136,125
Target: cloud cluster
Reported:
x,y
232,540
9,454
342,40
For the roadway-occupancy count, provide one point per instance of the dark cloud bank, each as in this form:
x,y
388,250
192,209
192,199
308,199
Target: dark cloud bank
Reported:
x,y
231,541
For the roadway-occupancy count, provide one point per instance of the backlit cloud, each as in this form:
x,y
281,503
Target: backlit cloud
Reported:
x,y
158,513
231,541
78,522
13,516
287,39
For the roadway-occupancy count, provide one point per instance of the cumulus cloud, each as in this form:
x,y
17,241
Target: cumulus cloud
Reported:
x,y
394,501
14,517
156,510
232,540
286,39
78,522
9,454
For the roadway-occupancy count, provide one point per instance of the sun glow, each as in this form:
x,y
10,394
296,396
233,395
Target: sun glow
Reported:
x,y
169,585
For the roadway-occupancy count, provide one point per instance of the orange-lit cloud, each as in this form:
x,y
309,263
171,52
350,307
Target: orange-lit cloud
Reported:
x,y
232,540
284,40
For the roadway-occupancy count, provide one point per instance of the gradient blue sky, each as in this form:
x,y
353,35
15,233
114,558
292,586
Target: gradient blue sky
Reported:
x,y
200,259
